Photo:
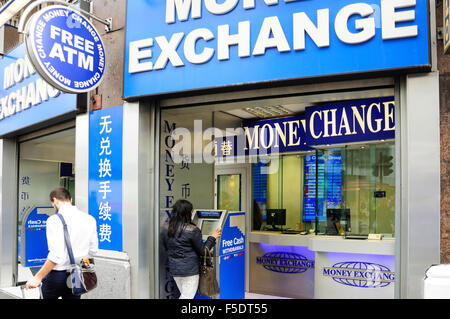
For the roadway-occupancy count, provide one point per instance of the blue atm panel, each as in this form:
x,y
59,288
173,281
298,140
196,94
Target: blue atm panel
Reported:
x,y
232,257
229,251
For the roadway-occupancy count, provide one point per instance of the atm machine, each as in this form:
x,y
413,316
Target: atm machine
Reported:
x,y
33,248
229,251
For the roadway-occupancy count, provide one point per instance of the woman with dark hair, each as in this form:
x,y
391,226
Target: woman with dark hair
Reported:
x,y
183,243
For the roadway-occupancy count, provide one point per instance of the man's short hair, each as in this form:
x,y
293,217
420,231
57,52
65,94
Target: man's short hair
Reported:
x,y
61,194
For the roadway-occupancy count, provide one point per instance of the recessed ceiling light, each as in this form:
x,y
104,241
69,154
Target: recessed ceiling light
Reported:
x,y
268,111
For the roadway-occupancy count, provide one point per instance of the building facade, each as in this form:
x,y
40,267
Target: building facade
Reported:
x,y
177,66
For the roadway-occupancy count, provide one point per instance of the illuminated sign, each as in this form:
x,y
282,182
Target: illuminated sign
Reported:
x,y
66,49
341,122
351,121
285,262
177,45
331,167
360,274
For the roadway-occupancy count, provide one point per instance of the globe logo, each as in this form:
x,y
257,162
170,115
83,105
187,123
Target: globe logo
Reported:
x,y
285,262
360,274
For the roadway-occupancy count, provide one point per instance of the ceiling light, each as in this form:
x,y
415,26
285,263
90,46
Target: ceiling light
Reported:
x,y
268,111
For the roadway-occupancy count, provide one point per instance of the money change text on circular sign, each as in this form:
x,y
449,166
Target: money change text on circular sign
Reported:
x,y
65,49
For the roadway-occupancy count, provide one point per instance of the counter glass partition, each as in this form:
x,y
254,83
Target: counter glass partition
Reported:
x,y
348,190
278,185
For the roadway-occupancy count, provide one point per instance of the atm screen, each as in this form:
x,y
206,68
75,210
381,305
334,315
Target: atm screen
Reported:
x,y
209,214
209,226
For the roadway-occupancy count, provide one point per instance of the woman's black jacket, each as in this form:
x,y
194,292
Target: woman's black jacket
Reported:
x,y
184,250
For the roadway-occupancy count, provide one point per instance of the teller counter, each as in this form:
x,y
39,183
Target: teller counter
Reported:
x,y
315,266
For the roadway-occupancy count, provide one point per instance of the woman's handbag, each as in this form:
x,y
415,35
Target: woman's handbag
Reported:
x,y
82,277
208,285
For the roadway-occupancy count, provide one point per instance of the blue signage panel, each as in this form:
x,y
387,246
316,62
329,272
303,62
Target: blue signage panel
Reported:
x,y
233,238
272,136
35,226
66,49
187,45
336,123
351,121
105,175
25,98
232,257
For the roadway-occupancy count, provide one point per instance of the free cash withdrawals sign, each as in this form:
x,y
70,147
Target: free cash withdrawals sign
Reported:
x,y
65,49
174,46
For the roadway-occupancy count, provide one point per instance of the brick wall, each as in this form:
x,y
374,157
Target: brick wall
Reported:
x,y
444,88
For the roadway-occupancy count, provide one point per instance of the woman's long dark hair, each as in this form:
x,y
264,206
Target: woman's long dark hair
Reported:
x,y
180,218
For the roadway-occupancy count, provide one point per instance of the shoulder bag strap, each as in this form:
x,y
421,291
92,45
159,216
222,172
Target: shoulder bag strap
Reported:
x,y
67,240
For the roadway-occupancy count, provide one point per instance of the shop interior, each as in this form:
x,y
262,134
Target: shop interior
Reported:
x,y
45,162
354,182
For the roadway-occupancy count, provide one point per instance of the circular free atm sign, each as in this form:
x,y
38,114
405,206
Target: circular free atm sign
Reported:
x,y
65,49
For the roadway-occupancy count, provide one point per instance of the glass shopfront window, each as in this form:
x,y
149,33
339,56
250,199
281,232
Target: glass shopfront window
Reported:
x,y
360,185
307,168
278,188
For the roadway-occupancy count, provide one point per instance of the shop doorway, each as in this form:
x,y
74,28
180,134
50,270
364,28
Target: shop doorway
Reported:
x,y
231,188
46,161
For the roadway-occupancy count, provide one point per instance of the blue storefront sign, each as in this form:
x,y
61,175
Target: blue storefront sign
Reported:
x,y
351,121
279,135
327,124
25,98
66,49
188,45
105,175
272,136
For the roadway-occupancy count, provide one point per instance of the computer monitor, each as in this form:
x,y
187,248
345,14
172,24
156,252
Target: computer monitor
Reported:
x,y
276,217
338,221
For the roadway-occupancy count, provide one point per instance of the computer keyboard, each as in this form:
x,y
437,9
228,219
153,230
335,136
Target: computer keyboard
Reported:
x,y
291,231
356,236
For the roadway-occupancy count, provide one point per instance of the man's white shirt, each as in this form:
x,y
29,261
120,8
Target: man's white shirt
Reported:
x,y
82,229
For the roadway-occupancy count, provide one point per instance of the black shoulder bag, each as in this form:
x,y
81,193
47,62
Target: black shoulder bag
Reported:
x,y
208,285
